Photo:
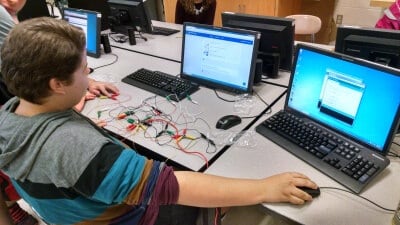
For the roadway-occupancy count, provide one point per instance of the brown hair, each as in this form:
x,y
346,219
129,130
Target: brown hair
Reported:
x,y
188,5
38,50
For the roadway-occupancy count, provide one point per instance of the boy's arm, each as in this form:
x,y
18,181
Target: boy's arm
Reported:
x,y
204,190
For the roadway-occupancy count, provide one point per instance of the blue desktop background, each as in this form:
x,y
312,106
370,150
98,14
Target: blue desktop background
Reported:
x,y
378,106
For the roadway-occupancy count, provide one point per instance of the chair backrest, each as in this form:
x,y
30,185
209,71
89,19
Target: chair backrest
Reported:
x,y
306,24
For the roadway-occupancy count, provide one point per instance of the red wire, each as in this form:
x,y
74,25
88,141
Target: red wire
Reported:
x,y
177,142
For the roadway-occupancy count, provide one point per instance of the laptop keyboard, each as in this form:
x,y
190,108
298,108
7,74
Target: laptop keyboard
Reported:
x,y
161,83
349,164
164,31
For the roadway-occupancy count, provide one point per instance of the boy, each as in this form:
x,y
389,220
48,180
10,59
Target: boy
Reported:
x,y
8,18
70,171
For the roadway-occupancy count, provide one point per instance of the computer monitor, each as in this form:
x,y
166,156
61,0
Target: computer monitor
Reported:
x,y
277,38
218,57
374,44
126,15
100,6
89,21
32,9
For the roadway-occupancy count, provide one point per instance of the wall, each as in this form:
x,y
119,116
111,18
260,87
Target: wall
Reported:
x,y
357,12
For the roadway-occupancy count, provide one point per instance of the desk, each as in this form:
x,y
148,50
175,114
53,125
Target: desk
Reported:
x,y
332,206
165,47
209,107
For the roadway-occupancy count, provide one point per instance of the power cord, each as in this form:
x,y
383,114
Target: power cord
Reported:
x,y
366,199
114,61
139,30
392,154
223,99
120,38
266,103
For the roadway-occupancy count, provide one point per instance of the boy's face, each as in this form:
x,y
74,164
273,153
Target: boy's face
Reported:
x,y
12,6
77,89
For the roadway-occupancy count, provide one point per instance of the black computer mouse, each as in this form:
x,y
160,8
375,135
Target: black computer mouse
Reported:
x,y
228,121
313,192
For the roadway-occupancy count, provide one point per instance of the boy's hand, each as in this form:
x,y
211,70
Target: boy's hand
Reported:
x,y
102,88
285,188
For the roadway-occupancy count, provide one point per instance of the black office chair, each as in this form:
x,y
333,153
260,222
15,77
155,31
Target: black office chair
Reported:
x,y
32,9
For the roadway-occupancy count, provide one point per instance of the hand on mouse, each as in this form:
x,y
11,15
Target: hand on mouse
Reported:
x,y
284,188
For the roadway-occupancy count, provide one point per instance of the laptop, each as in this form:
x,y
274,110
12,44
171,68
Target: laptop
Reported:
x,y
219,57
340,115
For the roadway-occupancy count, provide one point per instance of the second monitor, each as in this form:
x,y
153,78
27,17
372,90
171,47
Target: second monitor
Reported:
x,y
373,44
133,15
277,38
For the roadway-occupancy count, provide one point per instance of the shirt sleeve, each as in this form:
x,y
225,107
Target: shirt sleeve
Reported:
x,y
6,24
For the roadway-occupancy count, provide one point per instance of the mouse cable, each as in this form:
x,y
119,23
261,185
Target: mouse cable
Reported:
x,y
366,199
114,61
396,143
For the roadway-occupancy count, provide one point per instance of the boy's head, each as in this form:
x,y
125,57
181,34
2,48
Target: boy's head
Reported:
x,y
38,50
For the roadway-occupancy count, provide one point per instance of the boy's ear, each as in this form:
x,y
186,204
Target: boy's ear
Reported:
x,y
56,86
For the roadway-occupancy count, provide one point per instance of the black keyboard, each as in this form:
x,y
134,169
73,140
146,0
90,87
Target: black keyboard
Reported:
x,y
161,83
346,162
164,31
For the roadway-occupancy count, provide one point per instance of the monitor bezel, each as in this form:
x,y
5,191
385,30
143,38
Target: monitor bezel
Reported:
x,y
219,86
97,52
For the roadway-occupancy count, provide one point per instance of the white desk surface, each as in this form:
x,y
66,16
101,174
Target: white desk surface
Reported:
x,y
209,109
332,206
167,47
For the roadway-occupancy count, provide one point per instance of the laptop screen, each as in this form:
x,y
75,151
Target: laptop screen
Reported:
x,y
90,22
351,96
222,58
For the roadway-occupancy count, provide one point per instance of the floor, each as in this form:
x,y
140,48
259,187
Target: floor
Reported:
x,y
249,215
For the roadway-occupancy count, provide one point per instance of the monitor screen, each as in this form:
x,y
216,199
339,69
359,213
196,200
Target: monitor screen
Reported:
x,y
89,21
126,15
221,58
100,6
374,44
277,38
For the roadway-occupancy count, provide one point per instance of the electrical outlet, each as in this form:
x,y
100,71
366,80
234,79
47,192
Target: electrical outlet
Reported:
x,y
339,19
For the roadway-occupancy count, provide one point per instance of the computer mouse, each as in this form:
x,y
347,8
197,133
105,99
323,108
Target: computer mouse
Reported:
x,y
313,192
228,121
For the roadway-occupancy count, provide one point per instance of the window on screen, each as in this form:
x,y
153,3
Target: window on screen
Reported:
x,y
341,96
